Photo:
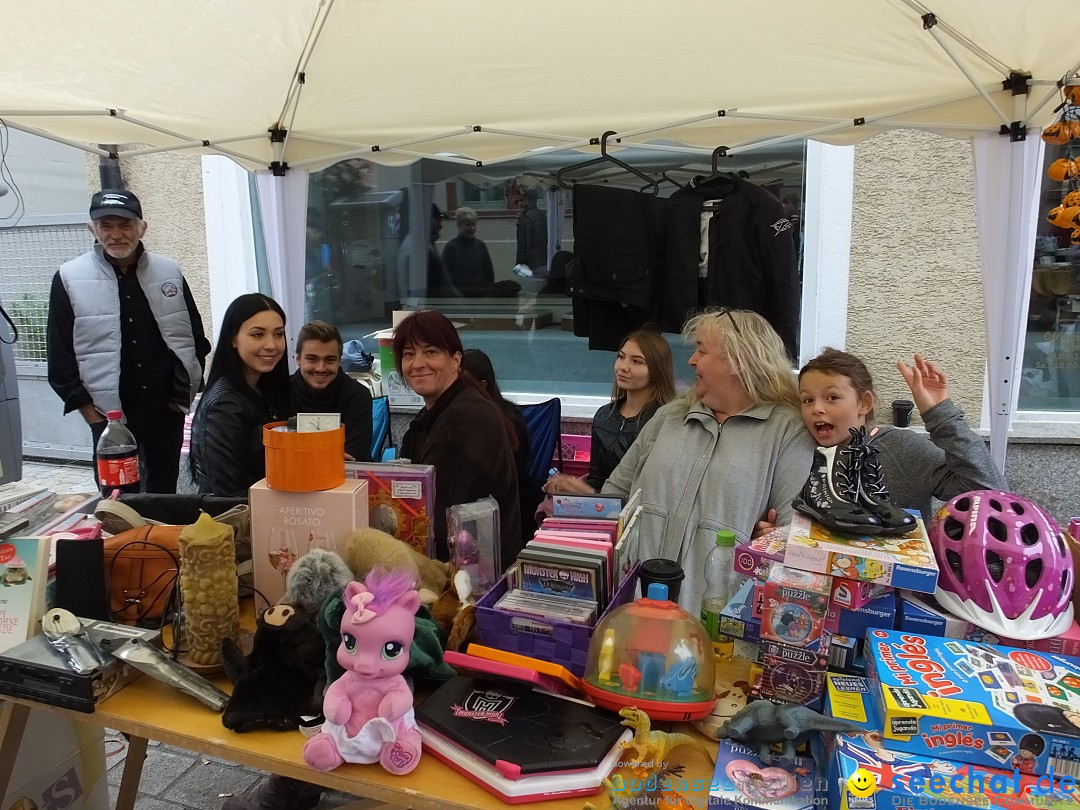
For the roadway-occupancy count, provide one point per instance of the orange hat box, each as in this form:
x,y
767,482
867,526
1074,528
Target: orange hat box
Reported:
x,y
304,462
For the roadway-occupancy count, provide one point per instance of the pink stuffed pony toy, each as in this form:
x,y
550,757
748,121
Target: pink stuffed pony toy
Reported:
x,y
369,709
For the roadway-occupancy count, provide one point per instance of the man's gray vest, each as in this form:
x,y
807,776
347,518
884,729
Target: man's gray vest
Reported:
x,y
91,286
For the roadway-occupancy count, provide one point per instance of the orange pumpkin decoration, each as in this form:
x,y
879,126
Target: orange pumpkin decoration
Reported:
x,y
1072,93
1073,128
1061,169
1058,133
1072,199
1062,217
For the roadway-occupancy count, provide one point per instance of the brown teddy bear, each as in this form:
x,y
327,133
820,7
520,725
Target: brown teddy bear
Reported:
x,y
367,548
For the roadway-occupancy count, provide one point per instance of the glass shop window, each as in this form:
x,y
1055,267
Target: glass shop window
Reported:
x,y
1050,378
386,238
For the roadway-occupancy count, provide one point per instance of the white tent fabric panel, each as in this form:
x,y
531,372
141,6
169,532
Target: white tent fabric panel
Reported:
x,y
1007,181
417,77
283,201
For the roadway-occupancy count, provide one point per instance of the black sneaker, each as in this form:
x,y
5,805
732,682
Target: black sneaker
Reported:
x,y
830,495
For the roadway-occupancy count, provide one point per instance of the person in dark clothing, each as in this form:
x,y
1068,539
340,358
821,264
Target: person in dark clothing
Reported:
x,y
644,380
320,386
466,258
532,258
457,431
247,387
124,334
439,284
530,492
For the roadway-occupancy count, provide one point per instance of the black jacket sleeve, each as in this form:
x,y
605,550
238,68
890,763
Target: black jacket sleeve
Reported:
x,y
202,345
225,437
60,349
779,265
489,269
356,417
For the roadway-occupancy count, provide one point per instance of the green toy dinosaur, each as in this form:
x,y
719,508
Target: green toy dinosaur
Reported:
x,y
652,747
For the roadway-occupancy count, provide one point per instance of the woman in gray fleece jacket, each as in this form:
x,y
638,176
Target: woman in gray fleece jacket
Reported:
x,y
724,455
836,393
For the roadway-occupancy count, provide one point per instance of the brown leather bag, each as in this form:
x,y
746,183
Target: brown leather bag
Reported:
x,y
141,570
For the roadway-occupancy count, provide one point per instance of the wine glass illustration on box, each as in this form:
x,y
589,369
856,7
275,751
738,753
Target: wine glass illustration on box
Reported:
x,y
321,538
282,550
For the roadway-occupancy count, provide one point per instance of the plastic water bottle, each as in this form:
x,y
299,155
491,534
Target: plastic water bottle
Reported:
x,y
721,583
117,457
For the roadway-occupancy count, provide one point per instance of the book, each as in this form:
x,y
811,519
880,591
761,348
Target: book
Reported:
x,y
542,571
627,549
24,564
15,494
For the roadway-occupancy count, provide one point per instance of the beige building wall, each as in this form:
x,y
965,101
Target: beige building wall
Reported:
x,y
170,188
915,283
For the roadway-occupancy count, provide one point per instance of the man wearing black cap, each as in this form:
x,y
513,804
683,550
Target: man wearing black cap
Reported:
x,y
124,334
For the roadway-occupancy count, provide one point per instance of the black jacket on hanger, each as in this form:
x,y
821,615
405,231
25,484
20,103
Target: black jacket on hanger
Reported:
x,y
615,262
752,262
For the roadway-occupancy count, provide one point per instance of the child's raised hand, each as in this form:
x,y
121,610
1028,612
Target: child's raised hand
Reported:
x,y
929,385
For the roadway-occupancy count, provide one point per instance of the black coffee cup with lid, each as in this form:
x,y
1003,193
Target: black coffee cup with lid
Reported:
x,y
666,572
901,412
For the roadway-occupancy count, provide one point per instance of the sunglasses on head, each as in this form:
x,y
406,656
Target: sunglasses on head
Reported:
x,y
720,313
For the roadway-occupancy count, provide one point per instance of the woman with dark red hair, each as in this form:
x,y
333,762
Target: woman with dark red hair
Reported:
x,y
460,430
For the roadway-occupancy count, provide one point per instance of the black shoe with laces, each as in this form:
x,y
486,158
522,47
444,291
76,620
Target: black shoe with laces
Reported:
x,y
830,495
873,494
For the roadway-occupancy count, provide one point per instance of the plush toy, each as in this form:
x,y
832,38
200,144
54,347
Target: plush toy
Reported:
x,y
455,612
368,548
282,678
314,577
368,710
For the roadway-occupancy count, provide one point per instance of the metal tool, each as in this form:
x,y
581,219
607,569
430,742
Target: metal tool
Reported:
x,y
66,635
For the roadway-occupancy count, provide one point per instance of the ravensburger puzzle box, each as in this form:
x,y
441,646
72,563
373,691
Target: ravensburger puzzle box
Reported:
x,y
905,561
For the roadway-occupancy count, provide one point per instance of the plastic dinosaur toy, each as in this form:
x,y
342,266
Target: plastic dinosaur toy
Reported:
x,y
652,747
763,723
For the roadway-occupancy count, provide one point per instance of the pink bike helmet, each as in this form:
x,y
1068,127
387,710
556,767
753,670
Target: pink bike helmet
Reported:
x,y
1004,565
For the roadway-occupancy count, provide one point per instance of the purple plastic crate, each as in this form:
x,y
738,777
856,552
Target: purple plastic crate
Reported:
x,y
547,639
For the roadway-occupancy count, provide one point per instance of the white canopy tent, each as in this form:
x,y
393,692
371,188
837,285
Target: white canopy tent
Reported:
x,y
288,86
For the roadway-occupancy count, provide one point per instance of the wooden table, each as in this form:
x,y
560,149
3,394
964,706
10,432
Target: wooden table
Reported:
x,y
149,710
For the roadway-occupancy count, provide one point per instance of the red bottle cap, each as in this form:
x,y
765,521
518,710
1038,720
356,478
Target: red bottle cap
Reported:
x,y
114,415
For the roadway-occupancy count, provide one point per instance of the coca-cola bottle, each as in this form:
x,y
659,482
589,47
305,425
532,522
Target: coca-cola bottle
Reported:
x,y
117,457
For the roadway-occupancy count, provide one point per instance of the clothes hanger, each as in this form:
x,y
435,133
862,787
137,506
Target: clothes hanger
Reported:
x,y
560,176
665,177
719,152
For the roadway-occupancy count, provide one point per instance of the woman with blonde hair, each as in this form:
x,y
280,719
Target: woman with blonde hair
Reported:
x,y
728,453
644,381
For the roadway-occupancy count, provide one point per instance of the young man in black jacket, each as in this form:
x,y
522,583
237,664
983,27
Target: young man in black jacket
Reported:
x,y
320,386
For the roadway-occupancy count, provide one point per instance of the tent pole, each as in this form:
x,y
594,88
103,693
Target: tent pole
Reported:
x,y
940,40
931,20
85,147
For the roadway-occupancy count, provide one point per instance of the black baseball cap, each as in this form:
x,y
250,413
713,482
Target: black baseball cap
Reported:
x,y
115,202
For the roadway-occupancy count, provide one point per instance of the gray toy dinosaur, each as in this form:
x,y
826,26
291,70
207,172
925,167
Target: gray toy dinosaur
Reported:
x,y
763,723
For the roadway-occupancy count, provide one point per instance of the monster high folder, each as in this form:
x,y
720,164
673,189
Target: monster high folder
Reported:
x,y
520,731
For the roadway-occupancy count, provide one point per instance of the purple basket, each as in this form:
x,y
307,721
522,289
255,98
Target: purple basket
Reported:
x,y
547,639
